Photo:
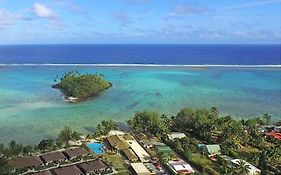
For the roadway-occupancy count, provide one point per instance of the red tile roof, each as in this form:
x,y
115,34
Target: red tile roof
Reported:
x,y
275,135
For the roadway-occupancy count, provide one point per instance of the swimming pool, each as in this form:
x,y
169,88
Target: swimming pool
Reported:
x,y
97,148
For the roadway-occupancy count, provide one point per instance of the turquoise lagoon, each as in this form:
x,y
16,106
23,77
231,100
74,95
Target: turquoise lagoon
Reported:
x,y
30,110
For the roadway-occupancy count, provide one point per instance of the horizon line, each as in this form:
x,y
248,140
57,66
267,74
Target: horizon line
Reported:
x,y
11,44
143,65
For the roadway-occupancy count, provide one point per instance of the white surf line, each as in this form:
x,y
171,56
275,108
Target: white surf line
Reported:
x,y
148,65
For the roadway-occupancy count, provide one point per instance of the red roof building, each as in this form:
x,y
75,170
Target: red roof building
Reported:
x,y
275,135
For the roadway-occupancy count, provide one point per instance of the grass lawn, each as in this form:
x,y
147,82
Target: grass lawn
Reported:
x,y
123,173
115,161
203,160
248,153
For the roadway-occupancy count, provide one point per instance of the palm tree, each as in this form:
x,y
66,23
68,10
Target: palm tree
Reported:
x,y
266,119
242,168
165,158
105,126
12,144
65,135
224,166
263,162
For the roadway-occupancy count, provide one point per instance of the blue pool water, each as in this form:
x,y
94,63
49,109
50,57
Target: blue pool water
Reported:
x,y
96,148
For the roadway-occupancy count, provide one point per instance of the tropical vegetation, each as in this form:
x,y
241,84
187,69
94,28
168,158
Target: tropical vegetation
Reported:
x,y
81,86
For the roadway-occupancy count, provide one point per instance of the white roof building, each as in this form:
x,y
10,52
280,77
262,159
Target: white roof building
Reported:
x,y
115,132
175,135
140,169
180,166
140,152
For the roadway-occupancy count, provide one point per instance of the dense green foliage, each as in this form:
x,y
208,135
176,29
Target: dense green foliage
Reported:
x,y
206,126
81,86
105,126
150,123
66,135
237,138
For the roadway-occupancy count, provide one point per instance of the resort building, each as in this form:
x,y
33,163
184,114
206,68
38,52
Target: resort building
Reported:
x,y
53,157
139,169
176,135
226,158
128,137
93,167
115,132
142,137
118,142
25,162
139,151
70,170
144,140
162,148
274,134
180,166
130,155
212,150
75,153
252,169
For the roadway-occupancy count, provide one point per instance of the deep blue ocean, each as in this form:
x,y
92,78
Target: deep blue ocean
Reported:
x,y
142,54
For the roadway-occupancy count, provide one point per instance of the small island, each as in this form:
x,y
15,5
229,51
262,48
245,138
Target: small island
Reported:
x,y
79,87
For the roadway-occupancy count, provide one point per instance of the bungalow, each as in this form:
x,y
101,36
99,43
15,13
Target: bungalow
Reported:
x,y
176,135
115,132
212,150
117,142
130,155
53,157
70,170
163,149
180,166
75,153
93,167
139,169
25,162
140,152
142,137
252,169
128,137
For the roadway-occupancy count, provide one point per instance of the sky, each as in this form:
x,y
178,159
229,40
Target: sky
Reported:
x,y
140,21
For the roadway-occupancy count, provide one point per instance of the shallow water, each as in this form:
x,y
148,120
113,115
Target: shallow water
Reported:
x,y
31,110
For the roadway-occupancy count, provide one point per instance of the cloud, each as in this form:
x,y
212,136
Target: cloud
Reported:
x,y
123,18
251,4
181,9
75,8
7,19
42,11
137,1
259,34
